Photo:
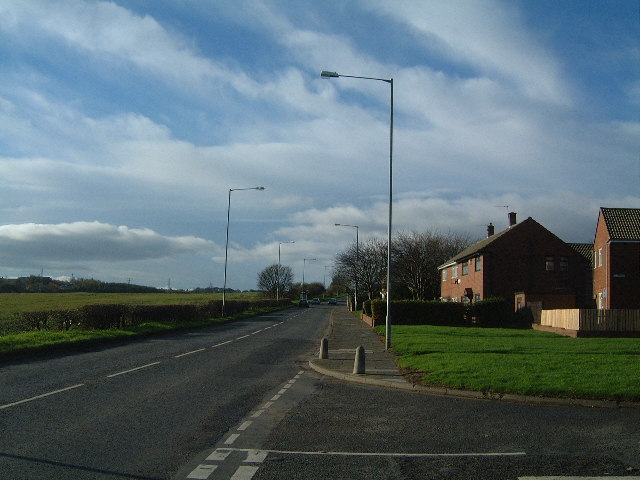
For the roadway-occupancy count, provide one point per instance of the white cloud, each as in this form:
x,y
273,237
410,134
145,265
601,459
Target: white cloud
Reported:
x,y
90,241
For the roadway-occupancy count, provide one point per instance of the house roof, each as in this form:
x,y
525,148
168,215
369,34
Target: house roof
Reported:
x,y
481,245
622,223
585,250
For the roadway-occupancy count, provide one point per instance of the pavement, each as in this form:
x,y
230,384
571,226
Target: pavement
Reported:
x,y
346,333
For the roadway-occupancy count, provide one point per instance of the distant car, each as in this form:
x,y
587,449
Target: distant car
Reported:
x,y
316,301
303,303
332,301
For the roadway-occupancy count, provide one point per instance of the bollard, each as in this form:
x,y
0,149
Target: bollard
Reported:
x,y
358,364
324,348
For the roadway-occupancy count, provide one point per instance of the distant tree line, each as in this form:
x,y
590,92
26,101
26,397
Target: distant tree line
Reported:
x,y
40,284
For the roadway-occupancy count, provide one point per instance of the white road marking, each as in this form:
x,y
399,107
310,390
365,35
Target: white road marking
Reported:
x,y
232,438
202,472
282,391
219,455
275,397
579,478
244,472
392,454
257,413
133,369
255,456
244,426
37,397
189,353
267,405
220,344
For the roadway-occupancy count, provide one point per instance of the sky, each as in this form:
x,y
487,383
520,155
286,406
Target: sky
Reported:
x,y
124,125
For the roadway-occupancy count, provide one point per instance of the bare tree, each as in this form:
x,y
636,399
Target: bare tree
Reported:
x,y
369,268
417,257
275,277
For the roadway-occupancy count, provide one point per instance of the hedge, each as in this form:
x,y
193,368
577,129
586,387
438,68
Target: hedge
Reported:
x,y
492,312
105,316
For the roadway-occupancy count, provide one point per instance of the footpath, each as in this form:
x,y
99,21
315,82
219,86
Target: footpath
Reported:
x,y
346,333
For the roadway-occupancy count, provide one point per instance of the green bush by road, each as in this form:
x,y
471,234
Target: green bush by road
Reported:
x,y
524,362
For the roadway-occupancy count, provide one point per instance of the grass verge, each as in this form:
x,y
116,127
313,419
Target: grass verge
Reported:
x,y
524,362
49,341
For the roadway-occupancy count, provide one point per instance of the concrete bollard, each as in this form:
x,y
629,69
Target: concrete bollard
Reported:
x,y
358,364
324,348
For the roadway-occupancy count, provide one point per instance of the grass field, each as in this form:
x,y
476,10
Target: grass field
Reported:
x,y
11,303
31,302
525,362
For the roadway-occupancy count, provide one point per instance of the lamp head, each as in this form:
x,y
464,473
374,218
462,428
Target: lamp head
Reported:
x,y
326,74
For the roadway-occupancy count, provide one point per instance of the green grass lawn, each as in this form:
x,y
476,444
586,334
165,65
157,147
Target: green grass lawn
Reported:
x,y
521,361
31,302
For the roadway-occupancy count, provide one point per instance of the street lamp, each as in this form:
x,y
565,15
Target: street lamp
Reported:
x,y
278,272
355,292
326,74
226,245
304,264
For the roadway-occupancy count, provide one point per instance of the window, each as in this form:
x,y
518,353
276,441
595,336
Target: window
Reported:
x,y
455,272
549,264
564,264
477,298
599,257
478,264
465,267
444,275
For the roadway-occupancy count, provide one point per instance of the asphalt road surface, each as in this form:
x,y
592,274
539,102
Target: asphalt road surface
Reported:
x,y
238,402
141,410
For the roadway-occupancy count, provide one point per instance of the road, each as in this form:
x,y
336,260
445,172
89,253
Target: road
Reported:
x,y
141,410
238,401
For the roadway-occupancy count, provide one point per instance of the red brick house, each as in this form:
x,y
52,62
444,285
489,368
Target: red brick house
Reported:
x,y
523,263
616,259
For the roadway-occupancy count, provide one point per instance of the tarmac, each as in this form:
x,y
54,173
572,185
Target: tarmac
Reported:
x,y
346,333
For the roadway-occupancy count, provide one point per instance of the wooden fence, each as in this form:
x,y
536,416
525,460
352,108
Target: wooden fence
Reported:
x,y
592,320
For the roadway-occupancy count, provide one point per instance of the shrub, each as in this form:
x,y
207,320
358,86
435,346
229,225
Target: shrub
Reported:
x,y
416,312
492,312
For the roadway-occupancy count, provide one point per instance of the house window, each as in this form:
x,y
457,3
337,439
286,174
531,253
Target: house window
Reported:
x,y
595,259
549,264
444,275
599,257
477,298
564,264
465,267
478,264
455,272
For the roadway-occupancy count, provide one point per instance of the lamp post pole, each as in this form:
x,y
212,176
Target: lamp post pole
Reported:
x,y
304,264
278,272
226,245
326,74
355,292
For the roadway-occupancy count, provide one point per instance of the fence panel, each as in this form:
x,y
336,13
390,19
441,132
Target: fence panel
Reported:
x,y
592,320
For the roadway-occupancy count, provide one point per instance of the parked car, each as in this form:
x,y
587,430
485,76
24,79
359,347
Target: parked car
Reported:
x,y
332,301
303,303
316,301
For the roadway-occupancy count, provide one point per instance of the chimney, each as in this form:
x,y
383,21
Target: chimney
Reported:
x,y
512,219
490,230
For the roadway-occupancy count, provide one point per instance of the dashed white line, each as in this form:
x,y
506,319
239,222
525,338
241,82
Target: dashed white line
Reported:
x,y
202,472
244,426
275,397
220,344
257,413
232,438
37,397
245,472
189,353
219,455
133,369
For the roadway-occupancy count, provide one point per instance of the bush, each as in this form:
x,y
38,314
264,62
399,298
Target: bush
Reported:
x,y
414,312
105,316
492,312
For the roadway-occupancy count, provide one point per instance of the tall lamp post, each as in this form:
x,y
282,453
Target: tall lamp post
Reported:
x,y
355,292
278,272
304,264
326,74
226,245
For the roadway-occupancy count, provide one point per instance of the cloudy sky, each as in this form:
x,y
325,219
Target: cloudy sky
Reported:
x,y
124,124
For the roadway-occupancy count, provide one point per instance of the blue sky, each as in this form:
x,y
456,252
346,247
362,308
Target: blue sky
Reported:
x,y
124,124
